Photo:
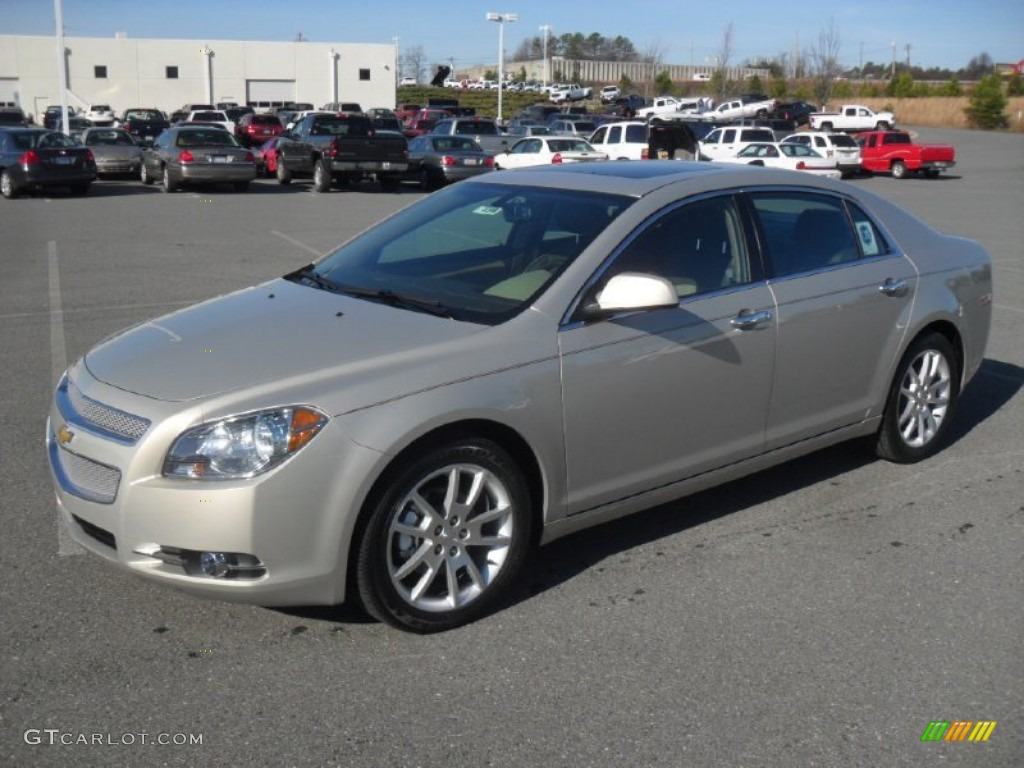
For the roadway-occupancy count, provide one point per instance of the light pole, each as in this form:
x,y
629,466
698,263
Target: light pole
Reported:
x,y
546,29
501,18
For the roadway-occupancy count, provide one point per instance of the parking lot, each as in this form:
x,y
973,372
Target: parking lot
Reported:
x,y
821,613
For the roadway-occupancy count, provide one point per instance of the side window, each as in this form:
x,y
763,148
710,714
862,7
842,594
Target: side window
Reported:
x,y
868,237
803,231
698,247
819,141
729,136
599,135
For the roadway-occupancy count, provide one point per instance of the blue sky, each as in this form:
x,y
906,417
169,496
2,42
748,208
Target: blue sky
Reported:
x,y
943,33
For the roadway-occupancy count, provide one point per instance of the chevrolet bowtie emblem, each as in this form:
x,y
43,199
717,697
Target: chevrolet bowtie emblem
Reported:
x,y
65,435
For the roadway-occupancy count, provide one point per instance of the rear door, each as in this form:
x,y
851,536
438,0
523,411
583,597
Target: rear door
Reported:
x,y
844,294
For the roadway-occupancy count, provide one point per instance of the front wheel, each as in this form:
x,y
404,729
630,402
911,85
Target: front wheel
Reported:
x,y
882,125
899,170
426,181
921,401
445,538
931,173
145,177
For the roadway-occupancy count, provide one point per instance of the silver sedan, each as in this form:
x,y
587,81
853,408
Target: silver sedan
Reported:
x,y
197,154
115,150
504,362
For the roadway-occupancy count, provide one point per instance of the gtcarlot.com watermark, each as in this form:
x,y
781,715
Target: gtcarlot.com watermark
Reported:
x,y
36,736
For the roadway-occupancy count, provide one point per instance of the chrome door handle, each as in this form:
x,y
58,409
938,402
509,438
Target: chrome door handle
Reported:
x,y
894,287
746,320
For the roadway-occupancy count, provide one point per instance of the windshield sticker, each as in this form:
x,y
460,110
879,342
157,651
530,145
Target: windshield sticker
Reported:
x,y
867,239
487,210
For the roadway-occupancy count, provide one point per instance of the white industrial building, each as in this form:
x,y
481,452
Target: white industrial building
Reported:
x,y
128,72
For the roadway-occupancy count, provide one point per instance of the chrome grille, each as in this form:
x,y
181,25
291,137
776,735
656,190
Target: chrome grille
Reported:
x,y
105,417
89,479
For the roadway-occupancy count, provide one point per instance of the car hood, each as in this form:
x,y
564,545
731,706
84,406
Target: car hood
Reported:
x,y
282,337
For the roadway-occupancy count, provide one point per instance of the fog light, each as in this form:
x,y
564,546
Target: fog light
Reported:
x,y
214,564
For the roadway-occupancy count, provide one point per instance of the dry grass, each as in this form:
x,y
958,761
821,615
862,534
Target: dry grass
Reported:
x,y
940,111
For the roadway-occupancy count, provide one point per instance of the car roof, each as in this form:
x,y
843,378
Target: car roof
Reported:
x,y
640,178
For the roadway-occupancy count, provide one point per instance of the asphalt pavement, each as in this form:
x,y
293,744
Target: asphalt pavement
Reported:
x,y
821,613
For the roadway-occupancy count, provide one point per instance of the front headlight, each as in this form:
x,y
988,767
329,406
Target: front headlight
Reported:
x,y
242,446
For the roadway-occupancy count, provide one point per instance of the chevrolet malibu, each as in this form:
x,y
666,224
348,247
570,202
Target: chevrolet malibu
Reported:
x,y
506,361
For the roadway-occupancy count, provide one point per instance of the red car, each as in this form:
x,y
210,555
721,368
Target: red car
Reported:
x,y
255,128
266,156
413,127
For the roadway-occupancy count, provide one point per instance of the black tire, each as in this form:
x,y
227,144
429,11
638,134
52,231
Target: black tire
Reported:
x,y
7,188
931,173
914,427
390,183
167,184
437,550
756,162
284,176
899,169
241,186
80,189
145,177
882,125
321,177
826,127
426,182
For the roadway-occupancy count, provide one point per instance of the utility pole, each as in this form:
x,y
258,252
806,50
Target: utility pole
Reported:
x,y
892,69
860,68
908,55
546,29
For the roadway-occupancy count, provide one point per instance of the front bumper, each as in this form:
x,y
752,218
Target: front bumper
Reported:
x,y
292,522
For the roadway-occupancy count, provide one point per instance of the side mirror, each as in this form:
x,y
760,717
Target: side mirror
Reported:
x,y
632,292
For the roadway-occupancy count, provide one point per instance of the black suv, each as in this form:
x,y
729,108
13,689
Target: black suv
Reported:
x,y
144,124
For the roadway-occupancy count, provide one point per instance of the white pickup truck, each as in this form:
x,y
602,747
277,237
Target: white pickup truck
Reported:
x,y
739,109
851,118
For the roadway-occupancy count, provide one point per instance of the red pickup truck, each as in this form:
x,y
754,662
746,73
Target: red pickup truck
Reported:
x,y
894,152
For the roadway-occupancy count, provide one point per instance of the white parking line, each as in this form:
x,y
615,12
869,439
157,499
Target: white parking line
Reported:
x,y
58,364
296,243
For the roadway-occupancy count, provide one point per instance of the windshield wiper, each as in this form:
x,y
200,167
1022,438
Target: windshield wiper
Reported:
x,y
430,306
309,274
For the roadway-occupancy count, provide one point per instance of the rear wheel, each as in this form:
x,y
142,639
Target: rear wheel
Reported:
x,y
284,176
426,182
7,188
321,177
446,538
921,401
931,173
167,182
826,126
899,170
241,186
80,189
144,175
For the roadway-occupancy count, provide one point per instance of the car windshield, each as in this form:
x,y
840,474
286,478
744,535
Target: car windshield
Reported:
x,y
212,137
447,143
475,252
569,145
109,139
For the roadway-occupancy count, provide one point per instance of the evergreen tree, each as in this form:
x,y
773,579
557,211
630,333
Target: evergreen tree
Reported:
x,y
987,104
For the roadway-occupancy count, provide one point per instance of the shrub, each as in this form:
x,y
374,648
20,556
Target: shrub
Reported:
x,y
987,104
